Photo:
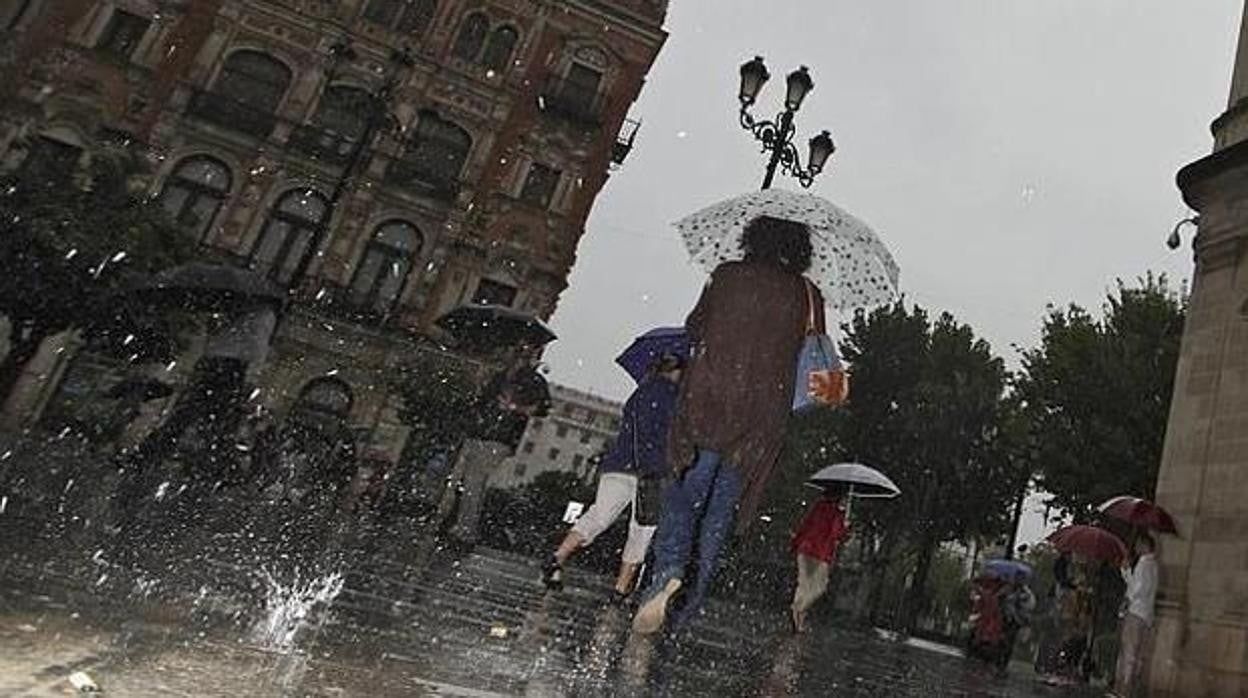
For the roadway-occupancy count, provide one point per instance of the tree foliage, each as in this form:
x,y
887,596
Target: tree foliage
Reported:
x,y
1098,394
69,244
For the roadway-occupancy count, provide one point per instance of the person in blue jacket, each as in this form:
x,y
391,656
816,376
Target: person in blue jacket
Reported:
x,y
629,476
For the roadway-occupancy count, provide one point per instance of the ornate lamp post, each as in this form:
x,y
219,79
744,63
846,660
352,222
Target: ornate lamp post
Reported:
x,y
777,135
377,116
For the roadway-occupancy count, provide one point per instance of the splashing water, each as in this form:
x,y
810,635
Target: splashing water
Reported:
x,y
288,607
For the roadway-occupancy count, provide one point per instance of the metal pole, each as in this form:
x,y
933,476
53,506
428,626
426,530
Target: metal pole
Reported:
x,y
783,129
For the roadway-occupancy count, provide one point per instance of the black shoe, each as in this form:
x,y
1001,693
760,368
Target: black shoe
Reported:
x,y
618,599
552,575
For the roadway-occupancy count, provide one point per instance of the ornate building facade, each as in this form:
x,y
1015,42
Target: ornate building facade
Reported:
x,y
502,120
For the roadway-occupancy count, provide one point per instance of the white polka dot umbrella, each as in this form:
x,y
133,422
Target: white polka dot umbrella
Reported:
x,y
851,265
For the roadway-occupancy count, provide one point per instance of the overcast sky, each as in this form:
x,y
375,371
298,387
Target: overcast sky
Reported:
x,y
1011,153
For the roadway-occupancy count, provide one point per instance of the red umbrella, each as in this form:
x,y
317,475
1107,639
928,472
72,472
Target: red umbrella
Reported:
x,y
1090,541
1139,512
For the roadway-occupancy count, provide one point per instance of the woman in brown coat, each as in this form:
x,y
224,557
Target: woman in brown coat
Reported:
x,y
736,397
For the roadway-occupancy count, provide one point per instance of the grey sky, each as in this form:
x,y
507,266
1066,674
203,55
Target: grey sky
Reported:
x,y
1011,153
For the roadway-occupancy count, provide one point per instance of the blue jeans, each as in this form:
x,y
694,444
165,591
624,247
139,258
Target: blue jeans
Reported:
x,y
700,506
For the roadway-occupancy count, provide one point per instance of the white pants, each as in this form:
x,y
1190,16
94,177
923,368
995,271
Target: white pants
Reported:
x,y
616,491
812,582
1133,654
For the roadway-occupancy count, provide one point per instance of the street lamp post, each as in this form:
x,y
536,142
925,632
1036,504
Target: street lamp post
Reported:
x,y
376,117
777,135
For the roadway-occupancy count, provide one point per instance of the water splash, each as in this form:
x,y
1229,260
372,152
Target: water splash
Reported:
x,y
288,607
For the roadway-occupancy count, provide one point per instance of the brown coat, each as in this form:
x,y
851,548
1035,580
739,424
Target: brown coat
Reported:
x,y
737,392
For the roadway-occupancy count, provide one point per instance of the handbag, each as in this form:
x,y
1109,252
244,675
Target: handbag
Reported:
x,y
649,489
646,502
821,377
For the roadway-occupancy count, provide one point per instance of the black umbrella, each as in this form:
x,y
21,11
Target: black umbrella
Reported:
x,y
206,286
495,326
143,389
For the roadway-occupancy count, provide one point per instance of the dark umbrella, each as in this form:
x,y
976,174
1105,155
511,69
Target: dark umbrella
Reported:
x,y
640,356
1090,542
1007,569
205,286
1139,512
495,326
142,389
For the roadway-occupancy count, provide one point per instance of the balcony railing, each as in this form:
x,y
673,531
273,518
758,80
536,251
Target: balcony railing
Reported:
x,y
227,112
322,143
576,103
414,175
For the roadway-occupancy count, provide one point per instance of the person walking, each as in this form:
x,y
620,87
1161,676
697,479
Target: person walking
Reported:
x,y
735,400
815,545
628,477
1137,622
1018,603
512,397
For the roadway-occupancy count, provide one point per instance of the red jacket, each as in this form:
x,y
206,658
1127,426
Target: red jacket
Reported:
x,y
821,532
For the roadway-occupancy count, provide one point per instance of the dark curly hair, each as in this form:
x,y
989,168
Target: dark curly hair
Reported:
x,y
779,242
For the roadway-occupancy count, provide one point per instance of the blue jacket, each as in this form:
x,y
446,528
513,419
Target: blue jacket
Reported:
x,y
641,447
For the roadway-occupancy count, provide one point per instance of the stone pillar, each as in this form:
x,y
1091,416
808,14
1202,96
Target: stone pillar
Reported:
x,y
1201,635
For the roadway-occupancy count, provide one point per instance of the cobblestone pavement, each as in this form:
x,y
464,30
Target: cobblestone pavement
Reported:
x,y
477,626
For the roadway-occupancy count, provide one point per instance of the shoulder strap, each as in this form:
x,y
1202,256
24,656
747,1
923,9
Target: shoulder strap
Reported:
x,y
811,320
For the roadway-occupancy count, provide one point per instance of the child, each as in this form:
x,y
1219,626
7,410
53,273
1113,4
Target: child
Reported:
x,y
815,544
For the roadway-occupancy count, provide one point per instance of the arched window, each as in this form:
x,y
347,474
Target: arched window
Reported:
x,y
287,233
434,157
498,49
338,123
417,16
246,94
387,260
406,16
342,109
194,194
328,397
255,79
471,37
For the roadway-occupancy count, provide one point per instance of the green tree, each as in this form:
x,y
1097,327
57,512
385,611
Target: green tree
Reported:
x,y
69,243
1098,394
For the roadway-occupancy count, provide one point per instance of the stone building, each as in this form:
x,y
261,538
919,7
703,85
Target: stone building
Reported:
x,y
1201,642
580,427
503,120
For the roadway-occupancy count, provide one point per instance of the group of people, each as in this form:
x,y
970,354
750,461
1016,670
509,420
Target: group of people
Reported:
x,y
702,435
1086,598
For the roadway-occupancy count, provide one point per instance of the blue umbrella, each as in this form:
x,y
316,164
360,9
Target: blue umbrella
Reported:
x,y
1006,569
647,349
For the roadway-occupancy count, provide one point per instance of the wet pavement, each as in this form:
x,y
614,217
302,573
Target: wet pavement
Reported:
x,y
480,625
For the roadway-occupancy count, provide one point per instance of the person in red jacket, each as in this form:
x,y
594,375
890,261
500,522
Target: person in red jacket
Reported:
x,y
818,537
